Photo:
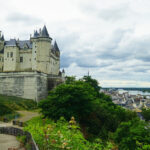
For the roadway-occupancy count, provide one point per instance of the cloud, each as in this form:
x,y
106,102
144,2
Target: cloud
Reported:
x,y
109,38
18,17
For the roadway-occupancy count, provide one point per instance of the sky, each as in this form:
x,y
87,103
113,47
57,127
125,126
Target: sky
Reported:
x,y
110,39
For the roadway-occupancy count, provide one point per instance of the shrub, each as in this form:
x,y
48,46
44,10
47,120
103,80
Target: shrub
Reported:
x,y
61,135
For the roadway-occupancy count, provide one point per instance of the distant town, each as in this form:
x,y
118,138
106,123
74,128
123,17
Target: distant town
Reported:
x,y
131,98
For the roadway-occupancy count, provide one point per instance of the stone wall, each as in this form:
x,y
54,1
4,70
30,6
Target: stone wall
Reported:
x,y
28,85
18,132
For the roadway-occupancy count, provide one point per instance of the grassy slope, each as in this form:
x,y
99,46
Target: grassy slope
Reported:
x,y
10,104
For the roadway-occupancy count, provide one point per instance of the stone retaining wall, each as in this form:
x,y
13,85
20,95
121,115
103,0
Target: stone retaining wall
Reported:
x,y
28,85
18,132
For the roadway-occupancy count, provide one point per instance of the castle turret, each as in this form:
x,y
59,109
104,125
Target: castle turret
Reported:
x,y
1,41
63,73
41,46
56,49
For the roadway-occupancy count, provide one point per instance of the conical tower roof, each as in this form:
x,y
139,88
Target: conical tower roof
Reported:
x,y
56,46
44,32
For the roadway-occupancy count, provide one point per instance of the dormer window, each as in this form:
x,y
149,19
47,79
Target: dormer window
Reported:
x,y
25,46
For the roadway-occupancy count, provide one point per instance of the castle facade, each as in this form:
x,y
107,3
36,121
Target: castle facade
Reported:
x,y
29,68
35,54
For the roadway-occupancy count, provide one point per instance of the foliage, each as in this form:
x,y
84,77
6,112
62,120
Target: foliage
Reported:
x,y
24,142
75,99
17,103
80,98
92,82
5,110
132,135
69,80
146,114
61,135
9,104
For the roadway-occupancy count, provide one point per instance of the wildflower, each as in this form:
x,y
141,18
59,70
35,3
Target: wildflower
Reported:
x,y
53,141
64,143
72,121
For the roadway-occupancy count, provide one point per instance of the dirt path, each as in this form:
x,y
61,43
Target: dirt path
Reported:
x,y
27,115
8,141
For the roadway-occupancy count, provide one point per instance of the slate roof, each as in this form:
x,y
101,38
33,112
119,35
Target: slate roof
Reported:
x,y
36,34
44,32
11,42
56,46
20,44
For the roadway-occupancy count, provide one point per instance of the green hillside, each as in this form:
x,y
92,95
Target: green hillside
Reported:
x,y
9,105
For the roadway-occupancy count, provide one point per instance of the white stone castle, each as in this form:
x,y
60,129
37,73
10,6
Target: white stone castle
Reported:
x,y
29,68
35,54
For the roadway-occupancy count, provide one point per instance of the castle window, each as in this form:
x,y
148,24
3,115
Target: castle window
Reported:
x,y
21,59
11,54
8,54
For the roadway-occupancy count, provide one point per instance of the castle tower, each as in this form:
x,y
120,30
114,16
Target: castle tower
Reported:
x,y
11,56
41,47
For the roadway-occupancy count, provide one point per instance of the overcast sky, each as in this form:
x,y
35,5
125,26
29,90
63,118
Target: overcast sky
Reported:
x,y
109,38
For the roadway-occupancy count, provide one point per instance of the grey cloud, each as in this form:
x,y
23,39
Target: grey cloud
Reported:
x,y
114,13
22,18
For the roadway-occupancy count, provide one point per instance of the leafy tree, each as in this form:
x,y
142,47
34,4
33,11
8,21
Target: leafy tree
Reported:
x,y
146,114
69,80
93,82
132,135
69,100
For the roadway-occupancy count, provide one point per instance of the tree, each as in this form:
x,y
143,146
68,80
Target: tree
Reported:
x,y
93,82
146,114
72,99
70,79
132,135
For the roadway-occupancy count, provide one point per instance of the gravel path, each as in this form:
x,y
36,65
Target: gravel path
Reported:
x,y
8,141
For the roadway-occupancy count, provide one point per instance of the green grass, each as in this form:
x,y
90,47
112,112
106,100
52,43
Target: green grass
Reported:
x,y
17,103
10,104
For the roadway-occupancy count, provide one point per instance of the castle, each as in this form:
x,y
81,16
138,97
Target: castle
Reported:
x,y
35,61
